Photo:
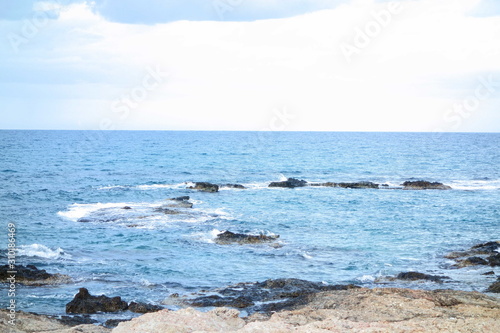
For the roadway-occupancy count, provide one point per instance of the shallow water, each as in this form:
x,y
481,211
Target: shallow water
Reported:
x,y
51,181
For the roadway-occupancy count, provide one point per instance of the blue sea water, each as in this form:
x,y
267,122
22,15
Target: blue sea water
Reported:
x,y
50,181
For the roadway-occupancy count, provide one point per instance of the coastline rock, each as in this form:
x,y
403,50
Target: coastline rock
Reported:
x,y
112,323
126,207
354,310
494,260
205,187
495,287
289,183
26,322
471,261
414,276
238,186
183,198
228,237
167,211
180,202
218,301
29,275
139,307
424,185
83,302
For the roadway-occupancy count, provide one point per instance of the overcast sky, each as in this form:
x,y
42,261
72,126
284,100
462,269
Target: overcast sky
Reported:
x,y
334,65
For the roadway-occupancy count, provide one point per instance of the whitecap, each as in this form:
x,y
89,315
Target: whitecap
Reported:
x,y
42,251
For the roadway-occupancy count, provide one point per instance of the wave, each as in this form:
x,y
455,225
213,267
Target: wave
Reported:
x,y
471,185
42,251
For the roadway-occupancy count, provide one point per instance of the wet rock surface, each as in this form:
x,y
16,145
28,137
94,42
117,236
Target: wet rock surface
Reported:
x,y
289,183
266,296
494,287
205,187
480,254
31,276
83,302
237,186
139,307
424,185
415,276
228,237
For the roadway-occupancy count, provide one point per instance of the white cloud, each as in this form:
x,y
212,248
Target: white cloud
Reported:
x,y
231,75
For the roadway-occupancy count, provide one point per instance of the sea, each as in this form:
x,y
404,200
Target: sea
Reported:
x,y
65,191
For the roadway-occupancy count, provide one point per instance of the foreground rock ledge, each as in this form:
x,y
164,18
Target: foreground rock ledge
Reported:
x,y
355,310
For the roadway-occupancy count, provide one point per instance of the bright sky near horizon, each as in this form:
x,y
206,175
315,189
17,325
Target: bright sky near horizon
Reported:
x,y
312,65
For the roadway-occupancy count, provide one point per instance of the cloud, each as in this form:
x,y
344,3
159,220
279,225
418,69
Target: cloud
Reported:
x,y
82,70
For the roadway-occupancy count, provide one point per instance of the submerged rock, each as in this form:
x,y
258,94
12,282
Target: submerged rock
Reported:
x,y
218,301
31,276
494,260
289,183
424,185
205,187
471,261
414,276
83,302
228,237
238,186
167,211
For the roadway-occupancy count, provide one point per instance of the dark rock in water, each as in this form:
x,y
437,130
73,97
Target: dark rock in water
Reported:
x,y
348,185
205,187
238,186
83,302
270,295
183,198
76,320
127,207
489,273
488,248
414,276
143,307
494,260
32,276
471,261
424,185
289,183
167,211
218,301
112,323
229,237
358,185
495,287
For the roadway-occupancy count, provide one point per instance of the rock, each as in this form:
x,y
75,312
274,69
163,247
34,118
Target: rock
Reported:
x,y
31,276
83,302
183,198
494,260
495,287
238,186
126,207
424,185
414,276
167,211
267,296
353,310
31,322
205,187
112,323
228,237
76,320
139,307
488,248
218,301
348,185
289,183
489,273
471,261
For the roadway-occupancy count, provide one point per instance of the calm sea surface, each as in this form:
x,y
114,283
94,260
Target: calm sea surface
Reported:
x,y
51,181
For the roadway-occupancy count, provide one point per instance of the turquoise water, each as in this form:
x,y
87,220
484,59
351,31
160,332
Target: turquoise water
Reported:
x,y
51,180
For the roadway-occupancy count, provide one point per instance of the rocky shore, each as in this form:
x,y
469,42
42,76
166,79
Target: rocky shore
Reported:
x,y
348,310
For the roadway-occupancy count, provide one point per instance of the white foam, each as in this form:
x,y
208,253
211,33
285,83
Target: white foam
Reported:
x,y
366,278
42,251
306,256
475,184
77,211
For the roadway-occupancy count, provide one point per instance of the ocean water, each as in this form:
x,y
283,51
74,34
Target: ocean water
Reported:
x,y
51,181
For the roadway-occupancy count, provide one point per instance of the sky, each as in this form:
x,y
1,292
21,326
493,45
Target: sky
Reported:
x,y
287,65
